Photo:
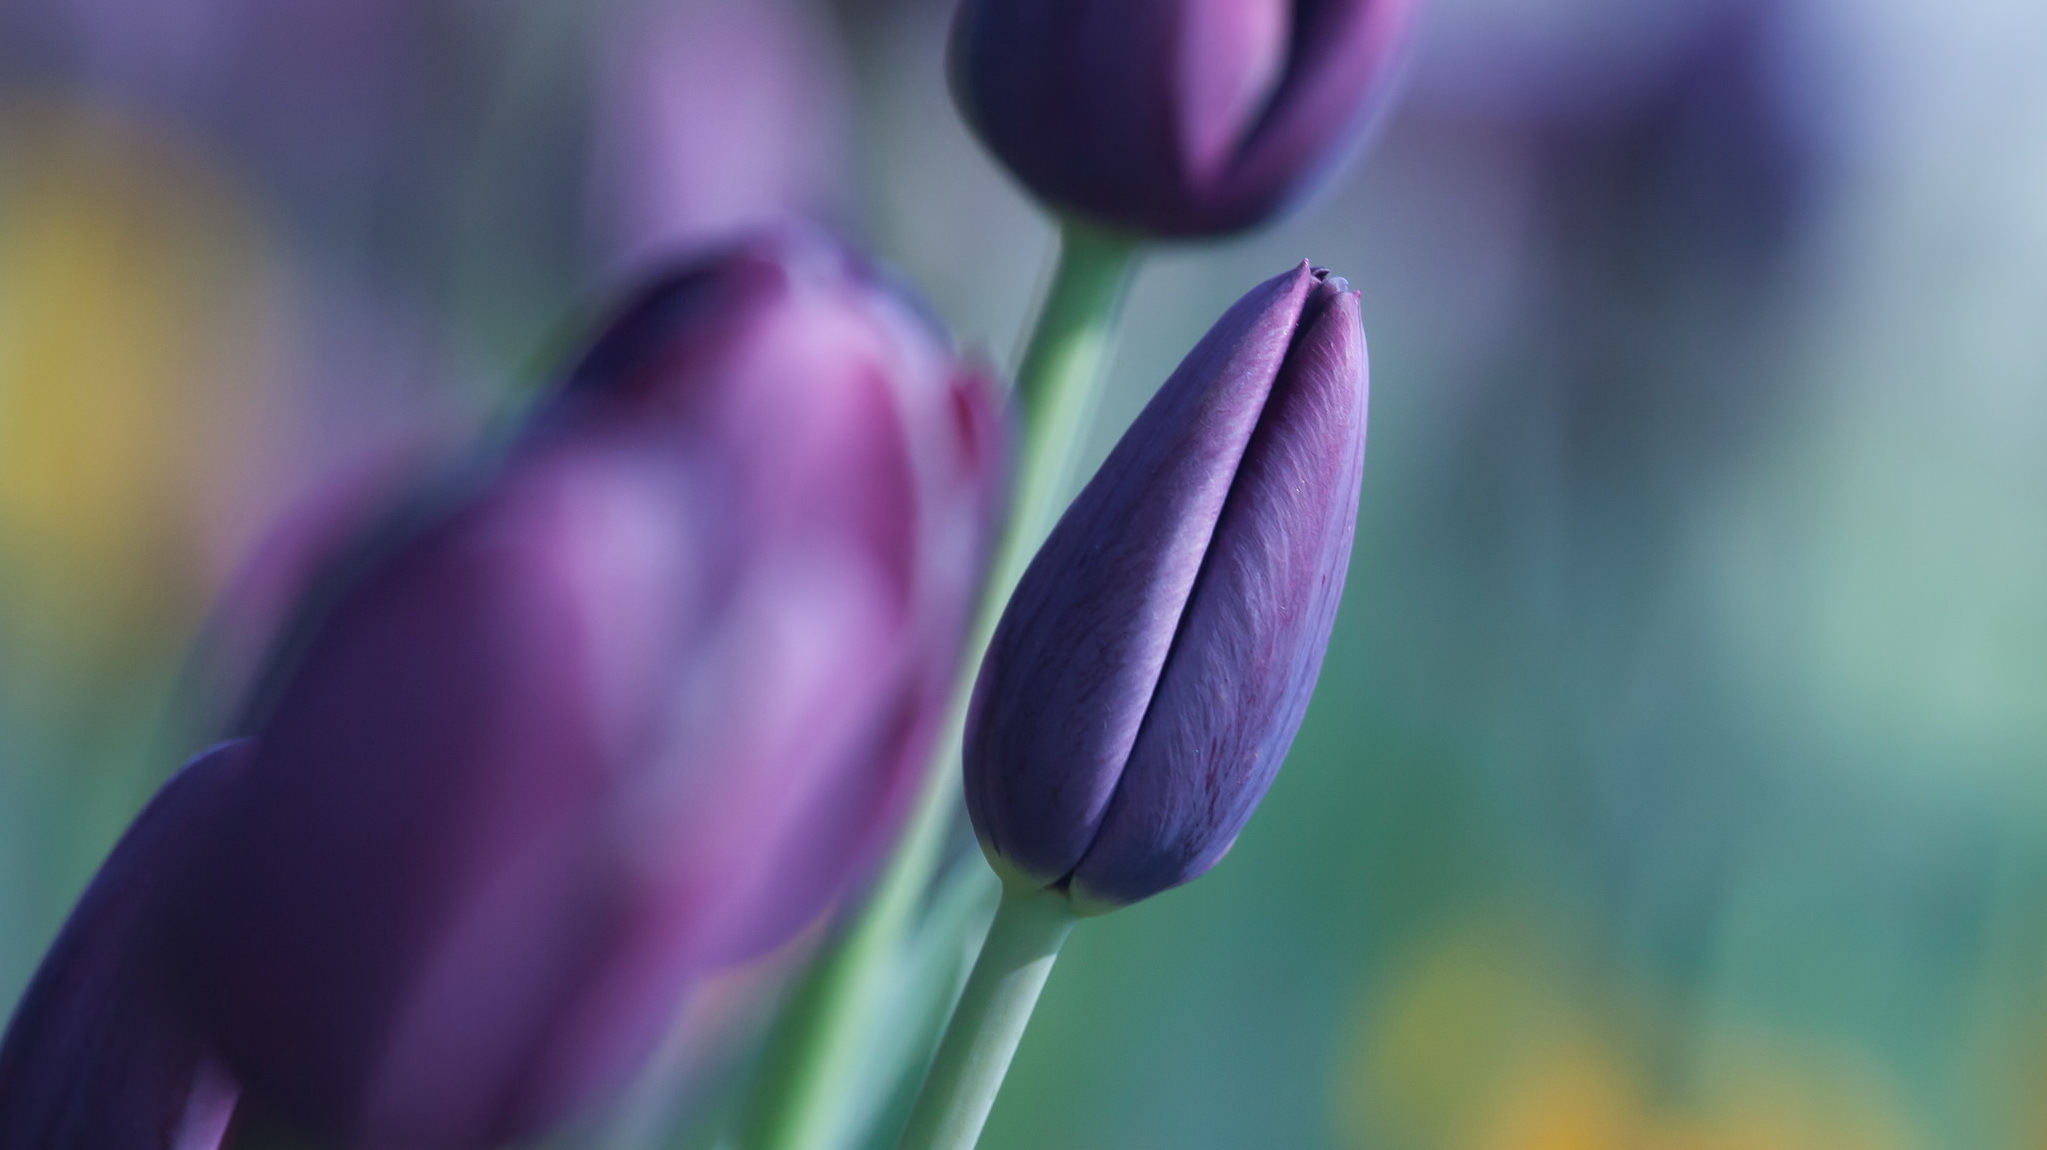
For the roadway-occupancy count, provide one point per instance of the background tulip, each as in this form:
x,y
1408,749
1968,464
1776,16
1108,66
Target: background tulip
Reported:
x,y
98,1056
634,710
1171,117
1151,669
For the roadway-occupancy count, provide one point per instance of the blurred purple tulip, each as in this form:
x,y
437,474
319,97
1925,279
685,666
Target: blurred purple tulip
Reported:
x,y
639,707
1172,117
1149,674
98,1056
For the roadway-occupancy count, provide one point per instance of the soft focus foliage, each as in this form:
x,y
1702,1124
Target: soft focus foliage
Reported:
x,y
1684,702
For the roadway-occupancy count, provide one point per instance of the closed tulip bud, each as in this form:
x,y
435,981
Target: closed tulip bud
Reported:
x,y
1171,117
633,710
99,1056
1151,669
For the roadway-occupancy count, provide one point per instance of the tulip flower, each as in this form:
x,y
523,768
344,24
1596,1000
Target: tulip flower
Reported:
x,y
98,1055
1154,663
632,710
1171,117
1131,120
1148,675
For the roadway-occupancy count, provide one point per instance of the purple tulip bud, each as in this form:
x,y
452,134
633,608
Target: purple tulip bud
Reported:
x,y
639,708
1149,673
98,1056
1172,117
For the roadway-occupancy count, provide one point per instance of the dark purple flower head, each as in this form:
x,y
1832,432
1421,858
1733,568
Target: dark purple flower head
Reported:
x,y
1172,117
1149,673
637,708
99,1056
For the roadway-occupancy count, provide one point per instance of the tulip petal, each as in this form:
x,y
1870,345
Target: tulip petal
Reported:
x,y
1250,644
1077,98
1233,55
1079,649
98,1056
409,878
1342,59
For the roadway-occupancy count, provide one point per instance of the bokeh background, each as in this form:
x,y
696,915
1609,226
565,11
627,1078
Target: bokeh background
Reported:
x,y
1678,779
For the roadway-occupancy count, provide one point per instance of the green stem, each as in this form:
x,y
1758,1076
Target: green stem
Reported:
x,y
1056,385
804,1100
966,1074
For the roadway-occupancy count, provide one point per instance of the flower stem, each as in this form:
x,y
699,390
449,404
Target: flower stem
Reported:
x,y
1056,385
827,1042
966,1074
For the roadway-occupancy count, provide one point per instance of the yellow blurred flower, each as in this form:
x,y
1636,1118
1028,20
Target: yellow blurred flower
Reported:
x,y
1449,1026
132,325
1568,1094
1489,1038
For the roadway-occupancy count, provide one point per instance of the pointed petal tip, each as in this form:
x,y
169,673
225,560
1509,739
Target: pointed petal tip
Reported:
x,y
1329,281
1305,270
1329,290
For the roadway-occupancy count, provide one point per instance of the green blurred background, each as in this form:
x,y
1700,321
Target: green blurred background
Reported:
x,y
1676,778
